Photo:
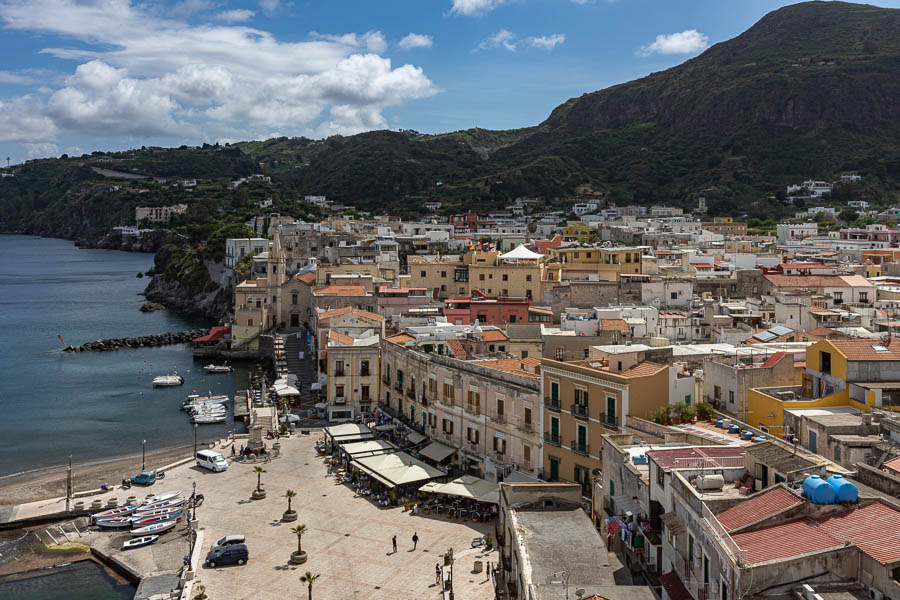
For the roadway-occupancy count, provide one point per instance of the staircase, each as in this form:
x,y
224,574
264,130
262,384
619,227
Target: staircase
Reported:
x,y
304,369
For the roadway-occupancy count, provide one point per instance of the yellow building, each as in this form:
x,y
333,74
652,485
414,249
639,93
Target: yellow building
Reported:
x,y
484,271
583,402
738,245
576,230
725,226
861,373
585,263
258,302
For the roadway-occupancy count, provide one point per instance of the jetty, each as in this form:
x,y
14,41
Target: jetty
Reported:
x,y
157,339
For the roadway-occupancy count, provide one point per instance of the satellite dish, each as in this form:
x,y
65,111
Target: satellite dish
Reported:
x,y
597,472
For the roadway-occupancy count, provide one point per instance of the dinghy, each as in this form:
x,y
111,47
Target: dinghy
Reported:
x,y
153,529
114,512
138,542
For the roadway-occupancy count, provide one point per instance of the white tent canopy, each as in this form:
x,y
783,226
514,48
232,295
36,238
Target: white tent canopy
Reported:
x,y
396,469
437,451
285,390
521,253
466,486
368,448
348,432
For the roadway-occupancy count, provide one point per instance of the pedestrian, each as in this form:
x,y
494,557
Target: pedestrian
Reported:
x,y
437,573
394,541
415,540
232,449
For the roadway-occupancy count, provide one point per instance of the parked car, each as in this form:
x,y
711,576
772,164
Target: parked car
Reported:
x,y
211,460
289,418
145,478
229,555
228,540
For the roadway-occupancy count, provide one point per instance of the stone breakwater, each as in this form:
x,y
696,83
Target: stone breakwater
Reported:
x,y
157,339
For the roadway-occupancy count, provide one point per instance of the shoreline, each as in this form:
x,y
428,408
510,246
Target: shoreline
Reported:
x,y
50,482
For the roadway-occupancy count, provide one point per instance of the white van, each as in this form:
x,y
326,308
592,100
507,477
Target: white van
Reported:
x,y
211,460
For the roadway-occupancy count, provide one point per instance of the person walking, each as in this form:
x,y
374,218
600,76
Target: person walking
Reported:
x,y
394,541
415,540
437,573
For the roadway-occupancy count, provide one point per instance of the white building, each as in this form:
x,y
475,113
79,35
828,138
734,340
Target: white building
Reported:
x,y
583,208
237,248
795,231
158,214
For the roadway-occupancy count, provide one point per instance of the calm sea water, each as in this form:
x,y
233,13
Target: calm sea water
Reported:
x,y
93,405
84,580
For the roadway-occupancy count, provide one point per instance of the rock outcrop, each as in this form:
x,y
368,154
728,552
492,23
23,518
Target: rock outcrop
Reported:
x,y
158,339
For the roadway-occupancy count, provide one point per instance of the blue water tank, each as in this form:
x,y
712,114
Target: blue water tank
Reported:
x,y
759,438
844,491
734,429
746,434
818,490
719,423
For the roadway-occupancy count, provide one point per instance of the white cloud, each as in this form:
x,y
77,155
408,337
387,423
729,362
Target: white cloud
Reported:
x,y
238,15
504,38
546,42
144,75
415,40
684,42
270,7
474,8
42,149
186,8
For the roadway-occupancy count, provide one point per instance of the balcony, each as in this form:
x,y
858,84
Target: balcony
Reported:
x,y
579,411
552,403
579,448
411,393
364,372
386,379
398,385
551,438
527,427
338,373
611,421
365,400
340,400
498,417
499,457
473,409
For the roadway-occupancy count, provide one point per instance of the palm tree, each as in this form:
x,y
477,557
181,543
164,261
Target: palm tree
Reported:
x,y
259,471
290,494
299,530
308,578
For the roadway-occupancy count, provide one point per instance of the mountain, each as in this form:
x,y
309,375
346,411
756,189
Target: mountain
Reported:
x,y
810,91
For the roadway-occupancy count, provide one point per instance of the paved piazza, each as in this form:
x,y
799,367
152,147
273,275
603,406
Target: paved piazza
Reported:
x,y
348,542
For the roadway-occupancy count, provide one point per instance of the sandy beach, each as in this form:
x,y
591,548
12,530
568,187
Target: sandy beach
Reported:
x,y
51,482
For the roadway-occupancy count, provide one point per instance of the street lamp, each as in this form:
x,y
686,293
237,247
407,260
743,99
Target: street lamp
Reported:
x,y
143,456
194,496
196,426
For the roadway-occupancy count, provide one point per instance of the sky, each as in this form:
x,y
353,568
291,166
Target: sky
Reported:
x,y
84,75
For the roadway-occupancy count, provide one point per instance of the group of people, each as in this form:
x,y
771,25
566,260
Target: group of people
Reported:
x,y
415,541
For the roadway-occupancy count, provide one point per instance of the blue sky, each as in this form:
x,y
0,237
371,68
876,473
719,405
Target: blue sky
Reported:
x,y
81,75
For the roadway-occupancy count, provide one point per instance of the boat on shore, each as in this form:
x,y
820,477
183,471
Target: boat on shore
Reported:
x,y
212,369
168,380
156,528
173,517
161,498
159,512
209,418
139,542
122,511
162,504
115,522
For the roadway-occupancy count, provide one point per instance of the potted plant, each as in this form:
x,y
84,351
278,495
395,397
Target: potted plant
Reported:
x,y
259,493
687,413
308,578
488,542
705,411
298,557
290,514
201,593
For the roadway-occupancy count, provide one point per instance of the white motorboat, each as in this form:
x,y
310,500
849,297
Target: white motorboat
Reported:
x,y
161,498
201,402
138,542
153,529
209,418
218,369
169,504
168,380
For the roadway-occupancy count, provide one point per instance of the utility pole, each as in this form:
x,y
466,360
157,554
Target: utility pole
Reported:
x,y
143,455
68,481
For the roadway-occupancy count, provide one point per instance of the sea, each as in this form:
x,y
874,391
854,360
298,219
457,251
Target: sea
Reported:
x,y
85,580
90,405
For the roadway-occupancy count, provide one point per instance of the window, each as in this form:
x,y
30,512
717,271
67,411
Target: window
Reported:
x,y
554,390
481,277
559,354
422,273
660,476
837,454
447,426
674,296
449,392
491,348
825,362
490,275
627,258
730,396
528,278
526,453
499,445
582,476
472,435
249,322
293,298
690,553
339,391
443,288
863,296
524,353
338,368
365,391
527,415
500,406
505,277
717,392
581,396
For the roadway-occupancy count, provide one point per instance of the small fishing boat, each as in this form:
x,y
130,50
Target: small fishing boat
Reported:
x,y
153,529
209,418
114,512
157,519
138,542
156,513
195,401
161,498
168,380
164,504
114,522
218,369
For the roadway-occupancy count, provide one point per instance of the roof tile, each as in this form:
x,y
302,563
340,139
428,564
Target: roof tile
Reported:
x,y
758,507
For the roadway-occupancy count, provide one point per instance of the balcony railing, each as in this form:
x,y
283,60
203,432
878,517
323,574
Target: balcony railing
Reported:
x,y
398,385
364,372
498,417
551,403
527,427
386,379
499,457
365,400
474,409
551,438
411,393
579,411
579,448
339,373
609,420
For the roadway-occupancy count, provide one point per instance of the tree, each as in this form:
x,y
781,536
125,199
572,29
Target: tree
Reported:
x,y
299,530
259,471
289,495
308,578
848,215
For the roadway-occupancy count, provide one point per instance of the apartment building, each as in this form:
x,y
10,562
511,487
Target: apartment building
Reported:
x,y
158,214
725,226
594,263
352,369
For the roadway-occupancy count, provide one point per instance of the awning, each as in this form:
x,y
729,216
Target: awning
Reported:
x,y
398,468
466,486
368,448
626,502
348,432
437,451
415,437
286,390
673,522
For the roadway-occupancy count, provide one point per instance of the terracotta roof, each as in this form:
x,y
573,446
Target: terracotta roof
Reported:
x,y
672,315
340,338
341,290
492,335
757,508
307,278
545,311
773,360
667,459
531,361
613,325
457,348
642,370
872,528
510,365
806,281
674,587
350,309
893,465
865,349
823,331
400,338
